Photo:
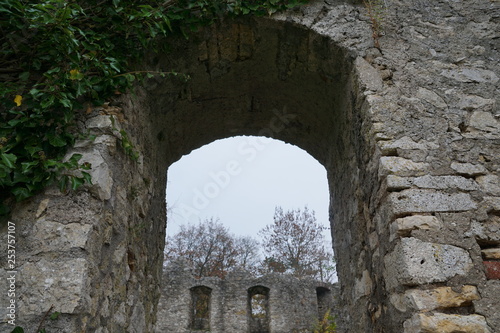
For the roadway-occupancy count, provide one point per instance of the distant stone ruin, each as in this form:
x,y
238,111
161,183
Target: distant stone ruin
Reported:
x,y
241,303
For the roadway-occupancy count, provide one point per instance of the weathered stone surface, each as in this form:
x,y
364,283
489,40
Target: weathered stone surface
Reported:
x,y
492,270
363,286
406,143
442,297
431,97
421,201
446,323
483,124
472,102
404,226
102,180
471,75
368,75
491,253
468,169
445,182
53,236
415,262
396,183
61,283
490,184
401,166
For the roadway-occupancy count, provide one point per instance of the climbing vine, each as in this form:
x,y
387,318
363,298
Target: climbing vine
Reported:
x,y
62,57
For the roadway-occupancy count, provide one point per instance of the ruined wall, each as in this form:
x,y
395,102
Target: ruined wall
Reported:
x,y
293,303
409,136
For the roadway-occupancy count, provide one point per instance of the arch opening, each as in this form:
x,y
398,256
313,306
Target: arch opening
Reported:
x,y
258,77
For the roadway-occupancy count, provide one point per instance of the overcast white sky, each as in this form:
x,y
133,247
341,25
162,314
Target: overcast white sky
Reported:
x,y
240,180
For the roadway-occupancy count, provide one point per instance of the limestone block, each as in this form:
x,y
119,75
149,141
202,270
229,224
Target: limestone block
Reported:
x,y
445,182
404,226
490,184
471,102
53,236
102,181
414,262
407,143
431,97
62,283
420,201
446,323
491,253
401,166
363,286
483,124
396,183
368,75
442,297
468,169
101,121
471,75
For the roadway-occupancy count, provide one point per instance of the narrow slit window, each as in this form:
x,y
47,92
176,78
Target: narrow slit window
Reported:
x,y
258,303
323,296
200,308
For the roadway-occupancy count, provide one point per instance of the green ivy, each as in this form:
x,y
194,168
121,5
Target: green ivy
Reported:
x,y
60,57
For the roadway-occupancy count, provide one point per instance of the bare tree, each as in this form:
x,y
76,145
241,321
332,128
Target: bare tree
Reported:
x,y
295,244
211,249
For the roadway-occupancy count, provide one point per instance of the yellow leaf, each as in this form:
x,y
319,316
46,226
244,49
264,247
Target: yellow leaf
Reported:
x,y
74,74
18,100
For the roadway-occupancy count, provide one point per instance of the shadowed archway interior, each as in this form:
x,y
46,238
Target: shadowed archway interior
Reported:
x,y
266,78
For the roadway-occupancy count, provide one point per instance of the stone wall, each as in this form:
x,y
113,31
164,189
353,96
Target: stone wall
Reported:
x,y
293,303
409,136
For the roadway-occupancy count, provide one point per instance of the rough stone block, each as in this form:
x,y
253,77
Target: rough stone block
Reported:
x,y
468,169
471,102
53,236
491,253
102,181
368,75
446,323
406,143
404,226
490,184
431,97
401,166
62,283
483,124
492,270
363,286
442,297
396,183
414,262
445,182
420,201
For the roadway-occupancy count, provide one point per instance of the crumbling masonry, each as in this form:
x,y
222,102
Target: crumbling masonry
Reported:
x,y
241,303
409,136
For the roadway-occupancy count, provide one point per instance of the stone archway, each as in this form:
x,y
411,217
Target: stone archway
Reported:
x,y
409,152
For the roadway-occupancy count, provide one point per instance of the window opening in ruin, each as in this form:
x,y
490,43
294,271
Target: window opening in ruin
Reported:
x,y
258,304
323,297
200,308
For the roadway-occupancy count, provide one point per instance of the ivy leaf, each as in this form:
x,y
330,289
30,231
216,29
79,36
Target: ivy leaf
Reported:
x,y
9,160
57,141
87,177
76,182
21,193
18,330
